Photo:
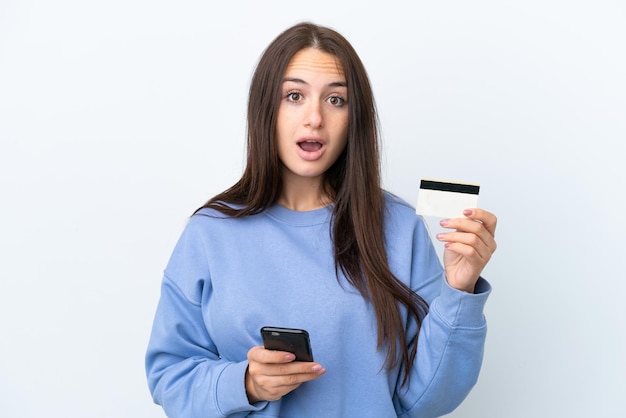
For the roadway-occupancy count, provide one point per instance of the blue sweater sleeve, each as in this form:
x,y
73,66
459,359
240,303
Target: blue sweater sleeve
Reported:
x,y
450,344
186,375
449,355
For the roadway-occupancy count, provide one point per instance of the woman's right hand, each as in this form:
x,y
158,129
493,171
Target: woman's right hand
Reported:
x,y
273,374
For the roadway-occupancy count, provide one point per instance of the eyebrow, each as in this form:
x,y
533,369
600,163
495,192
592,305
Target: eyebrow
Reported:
x,y
301,81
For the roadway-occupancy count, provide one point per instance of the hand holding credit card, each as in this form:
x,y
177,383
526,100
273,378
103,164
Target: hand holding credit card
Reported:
x,y
446,199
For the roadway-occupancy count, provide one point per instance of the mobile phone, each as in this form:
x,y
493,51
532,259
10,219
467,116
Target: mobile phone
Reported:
x,y
293,340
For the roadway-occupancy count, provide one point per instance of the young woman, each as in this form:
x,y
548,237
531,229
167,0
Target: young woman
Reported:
x,y
308,239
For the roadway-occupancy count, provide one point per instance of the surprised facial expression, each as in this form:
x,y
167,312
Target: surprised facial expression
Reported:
x,y
312,125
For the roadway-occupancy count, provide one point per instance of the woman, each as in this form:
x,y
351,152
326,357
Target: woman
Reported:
x,y
308,239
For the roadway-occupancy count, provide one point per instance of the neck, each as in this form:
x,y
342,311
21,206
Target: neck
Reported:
x,y
303,194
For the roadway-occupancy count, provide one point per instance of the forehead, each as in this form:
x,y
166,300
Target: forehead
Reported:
x,y
312,60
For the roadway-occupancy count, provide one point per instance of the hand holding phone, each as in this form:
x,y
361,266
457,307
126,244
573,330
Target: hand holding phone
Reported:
x,y
267,372
292,340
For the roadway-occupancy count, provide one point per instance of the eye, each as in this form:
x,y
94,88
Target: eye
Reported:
x,y
294,96
336,101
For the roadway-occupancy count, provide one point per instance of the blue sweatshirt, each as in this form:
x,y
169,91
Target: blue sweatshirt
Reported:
x,y
229,277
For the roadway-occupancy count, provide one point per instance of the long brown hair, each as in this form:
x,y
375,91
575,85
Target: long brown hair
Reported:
x,y
353,182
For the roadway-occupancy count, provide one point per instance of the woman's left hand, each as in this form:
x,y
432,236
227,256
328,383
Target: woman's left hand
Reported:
x,y
468,248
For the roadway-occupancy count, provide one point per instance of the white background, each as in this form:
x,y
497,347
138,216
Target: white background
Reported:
x,y
119,118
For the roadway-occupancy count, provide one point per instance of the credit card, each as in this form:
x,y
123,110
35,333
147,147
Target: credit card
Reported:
x,y
446,199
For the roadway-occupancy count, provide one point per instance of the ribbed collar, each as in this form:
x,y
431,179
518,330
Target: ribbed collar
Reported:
x,y
292,217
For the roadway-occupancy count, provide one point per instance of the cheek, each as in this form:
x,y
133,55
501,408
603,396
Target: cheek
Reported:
x,y
344,144
344,132
285,122
282,129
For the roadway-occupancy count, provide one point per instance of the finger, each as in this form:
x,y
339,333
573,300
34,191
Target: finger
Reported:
x,y
488,219
297,372
476,257
467,244
260,354
276,363
268,388
465,230
272,381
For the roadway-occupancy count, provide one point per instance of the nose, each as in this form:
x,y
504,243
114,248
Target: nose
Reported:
x,y
314,115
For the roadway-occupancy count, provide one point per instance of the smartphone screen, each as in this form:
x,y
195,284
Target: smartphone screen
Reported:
x,y
293,340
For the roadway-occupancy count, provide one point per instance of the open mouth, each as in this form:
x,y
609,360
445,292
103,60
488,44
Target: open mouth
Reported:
x,y
310,146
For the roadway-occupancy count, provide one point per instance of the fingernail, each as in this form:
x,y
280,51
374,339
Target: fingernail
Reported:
x,y
468,212
316,368
444,222
439,236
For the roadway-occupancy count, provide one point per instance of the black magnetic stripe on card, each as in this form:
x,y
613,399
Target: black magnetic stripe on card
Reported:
x,y
449,187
